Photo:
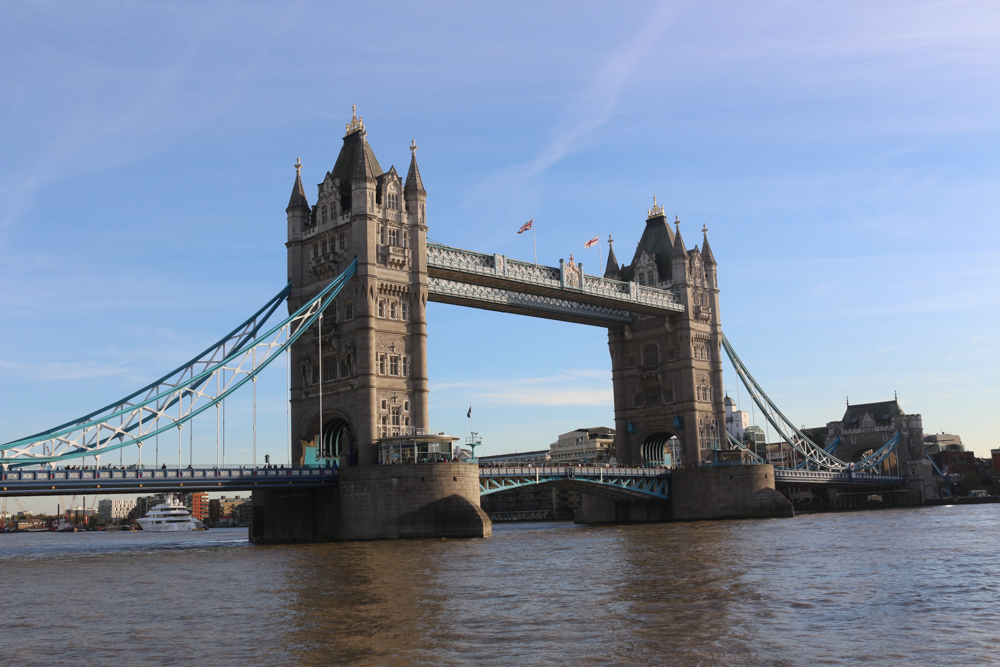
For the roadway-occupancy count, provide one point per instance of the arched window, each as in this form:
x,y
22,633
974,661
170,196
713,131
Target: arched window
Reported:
x,y
650,355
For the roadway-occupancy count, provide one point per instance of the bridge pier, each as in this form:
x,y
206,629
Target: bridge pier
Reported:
x,y
727,492
597,509
376,502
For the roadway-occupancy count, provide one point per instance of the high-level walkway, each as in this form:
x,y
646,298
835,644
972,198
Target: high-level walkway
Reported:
x,y
496,282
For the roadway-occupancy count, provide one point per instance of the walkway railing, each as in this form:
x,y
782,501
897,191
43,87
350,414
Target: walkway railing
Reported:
x,y
452,261
131,480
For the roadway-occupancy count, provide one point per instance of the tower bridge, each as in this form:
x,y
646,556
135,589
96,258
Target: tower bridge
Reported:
x,y
360,274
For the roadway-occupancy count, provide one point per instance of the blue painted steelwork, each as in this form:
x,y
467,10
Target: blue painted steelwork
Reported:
x,y
816,457
159,480
130,422
630,482
809,477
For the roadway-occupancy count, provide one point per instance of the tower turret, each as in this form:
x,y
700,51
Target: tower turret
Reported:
x,y
611,271
678,257
298,206
709,259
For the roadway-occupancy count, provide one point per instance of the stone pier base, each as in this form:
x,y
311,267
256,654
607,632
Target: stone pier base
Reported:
x,y
596,509
376,502
727,492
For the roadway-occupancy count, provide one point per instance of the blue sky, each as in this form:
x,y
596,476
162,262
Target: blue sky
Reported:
x,y
842,154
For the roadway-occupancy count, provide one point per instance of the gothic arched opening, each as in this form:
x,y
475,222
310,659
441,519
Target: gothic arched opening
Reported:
x,y
337,440
660,449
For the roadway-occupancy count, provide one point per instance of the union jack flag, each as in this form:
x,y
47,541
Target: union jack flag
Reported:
x,y
590,242
526,226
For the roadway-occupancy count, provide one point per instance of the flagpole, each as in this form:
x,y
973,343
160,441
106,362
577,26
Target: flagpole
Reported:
x,y
600,269
533,244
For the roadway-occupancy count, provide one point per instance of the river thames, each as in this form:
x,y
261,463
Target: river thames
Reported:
x,y
907,586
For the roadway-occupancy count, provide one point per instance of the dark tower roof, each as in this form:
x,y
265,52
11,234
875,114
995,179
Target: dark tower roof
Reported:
x,y
657,240
355,146
611,270
883,413
413,180
298,198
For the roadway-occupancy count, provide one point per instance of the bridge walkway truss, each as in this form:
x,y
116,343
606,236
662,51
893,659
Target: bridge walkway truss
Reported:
x,y
615,483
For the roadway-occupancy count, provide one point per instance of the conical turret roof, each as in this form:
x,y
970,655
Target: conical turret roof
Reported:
x,y
679,250
298,198
413,180
611,270
706,250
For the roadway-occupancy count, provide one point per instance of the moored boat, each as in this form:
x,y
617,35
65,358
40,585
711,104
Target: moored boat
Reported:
x,y
170,516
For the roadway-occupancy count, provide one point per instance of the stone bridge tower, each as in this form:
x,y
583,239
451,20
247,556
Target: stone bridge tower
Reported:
x,y
369,368
667,372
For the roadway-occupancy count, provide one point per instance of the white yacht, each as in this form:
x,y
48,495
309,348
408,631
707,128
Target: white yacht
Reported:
x,y
170,516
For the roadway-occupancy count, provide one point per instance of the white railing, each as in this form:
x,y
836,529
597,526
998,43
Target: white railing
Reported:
x,y
562,277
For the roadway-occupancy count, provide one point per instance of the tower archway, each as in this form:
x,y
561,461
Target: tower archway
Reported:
x,y
337,439
660,449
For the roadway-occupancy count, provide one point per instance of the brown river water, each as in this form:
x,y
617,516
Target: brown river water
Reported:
x,y
894,587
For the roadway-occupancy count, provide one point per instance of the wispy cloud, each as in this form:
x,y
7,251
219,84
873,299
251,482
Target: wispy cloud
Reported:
x,y
55,371
592,107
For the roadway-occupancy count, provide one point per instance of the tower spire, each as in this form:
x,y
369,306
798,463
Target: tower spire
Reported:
x,y
706,250
679,250
413,180
611,270
298,198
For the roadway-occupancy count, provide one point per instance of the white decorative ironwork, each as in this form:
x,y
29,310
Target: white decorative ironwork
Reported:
x,y
456,260
497,296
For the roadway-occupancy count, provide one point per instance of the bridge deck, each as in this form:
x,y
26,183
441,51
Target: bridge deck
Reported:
x,y
636,482
63,482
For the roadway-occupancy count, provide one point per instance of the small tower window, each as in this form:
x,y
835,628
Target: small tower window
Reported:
x,y
405,308
393,311
324,214
381,307
652,396
393,201
393,236
394,365
349,310
650,355
406,373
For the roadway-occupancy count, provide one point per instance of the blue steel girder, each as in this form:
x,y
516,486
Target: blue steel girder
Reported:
x,y
636,483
